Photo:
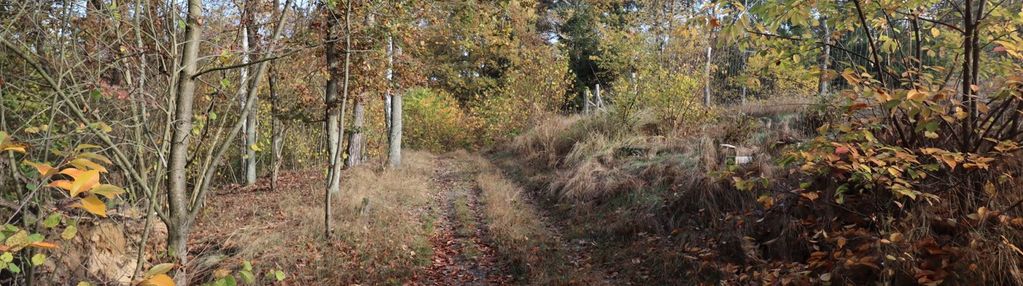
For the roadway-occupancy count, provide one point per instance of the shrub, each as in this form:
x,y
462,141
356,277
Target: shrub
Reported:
x,y
434,121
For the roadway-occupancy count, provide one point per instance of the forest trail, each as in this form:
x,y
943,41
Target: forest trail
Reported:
x,y
464,251
450,224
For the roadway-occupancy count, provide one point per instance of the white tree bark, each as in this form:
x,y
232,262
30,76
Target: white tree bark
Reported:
x,y
394,148
389,75
243,88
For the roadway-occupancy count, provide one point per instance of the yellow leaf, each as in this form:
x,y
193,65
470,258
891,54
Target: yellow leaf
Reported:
x,y
989,188
961,114
95,206
13,148
43,168
158,280
895,237
87,164
914,94
894,172
84,180
86,146
107,190
935,32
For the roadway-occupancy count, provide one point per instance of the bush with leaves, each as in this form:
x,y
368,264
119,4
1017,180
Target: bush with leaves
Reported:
x,y
434,121
72,182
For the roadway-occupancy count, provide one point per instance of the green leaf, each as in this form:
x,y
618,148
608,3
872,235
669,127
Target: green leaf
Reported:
x,y
96,94
229,281
108,191
159,269
279,275
38,259
7,257
69,232
102,127
53,220
86,147
13,268
246,266
247,277
35,237
18,240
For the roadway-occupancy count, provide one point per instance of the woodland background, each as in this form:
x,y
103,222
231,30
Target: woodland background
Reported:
x,y
446,142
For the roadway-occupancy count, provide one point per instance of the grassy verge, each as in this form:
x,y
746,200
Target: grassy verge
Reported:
x,y
382,226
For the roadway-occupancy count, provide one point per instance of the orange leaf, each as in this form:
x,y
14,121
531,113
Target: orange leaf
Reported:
x,y
158,280
43,244
94,205
63,184
914,94
44,169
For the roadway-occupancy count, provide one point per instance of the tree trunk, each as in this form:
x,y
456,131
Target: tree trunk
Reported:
x,y
706,76
243,80
822,81
179,224
251,121
394,150
276,132
332,102
389,75
355,139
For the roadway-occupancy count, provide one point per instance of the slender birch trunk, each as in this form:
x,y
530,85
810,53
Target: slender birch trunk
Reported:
x,y
389,75
243,81
276,131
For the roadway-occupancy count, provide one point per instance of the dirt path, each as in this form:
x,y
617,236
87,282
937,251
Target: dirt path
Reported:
x,y
461,252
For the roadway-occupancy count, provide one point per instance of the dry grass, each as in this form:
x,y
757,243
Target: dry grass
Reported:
x,y
382,224
518,233
642,191
530,248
